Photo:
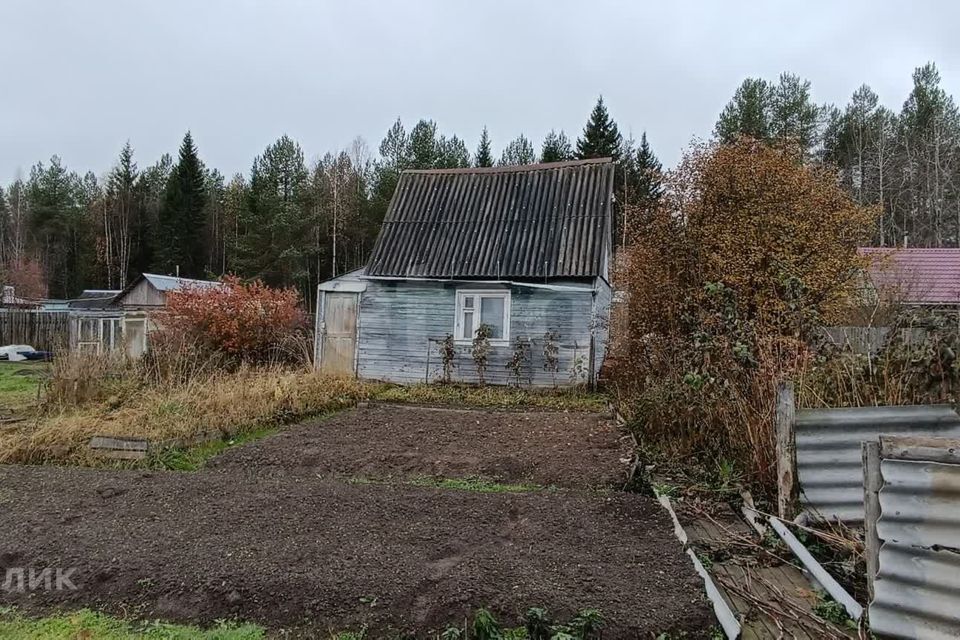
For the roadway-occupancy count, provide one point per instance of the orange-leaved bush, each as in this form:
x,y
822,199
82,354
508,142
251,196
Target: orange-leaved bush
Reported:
x,y
247,320
726,282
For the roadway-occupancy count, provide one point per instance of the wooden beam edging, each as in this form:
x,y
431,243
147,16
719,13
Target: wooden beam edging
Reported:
x,y
725,616
924,449
838,593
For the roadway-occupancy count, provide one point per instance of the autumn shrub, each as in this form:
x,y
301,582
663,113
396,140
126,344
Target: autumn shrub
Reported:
x,y
244,321
917,363
726,280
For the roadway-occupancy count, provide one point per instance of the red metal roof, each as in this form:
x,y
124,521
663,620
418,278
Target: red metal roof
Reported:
x,y
918,276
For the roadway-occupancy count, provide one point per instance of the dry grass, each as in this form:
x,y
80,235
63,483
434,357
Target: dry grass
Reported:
x,y
494,397
114,399
182,397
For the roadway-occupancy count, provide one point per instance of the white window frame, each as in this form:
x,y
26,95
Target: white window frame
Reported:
x,y
478,294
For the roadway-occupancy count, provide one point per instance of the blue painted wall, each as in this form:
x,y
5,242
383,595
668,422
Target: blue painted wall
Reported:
x,y
401,321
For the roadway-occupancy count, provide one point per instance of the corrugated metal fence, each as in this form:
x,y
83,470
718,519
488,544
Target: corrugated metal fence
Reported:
x,y
42,330
828,448
916,588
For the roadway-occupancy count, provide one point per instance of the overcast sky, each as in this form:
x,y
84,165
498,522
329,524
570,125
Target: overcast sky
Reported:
x,y
80,78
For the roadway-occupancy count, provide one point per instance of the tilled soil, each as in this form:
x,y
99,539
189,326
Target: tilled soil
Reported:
x,y
313,554
564,449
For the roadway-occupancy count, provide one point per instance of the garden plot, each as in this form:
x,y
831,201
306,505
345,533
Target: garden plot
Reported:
x,y
384,442
291,550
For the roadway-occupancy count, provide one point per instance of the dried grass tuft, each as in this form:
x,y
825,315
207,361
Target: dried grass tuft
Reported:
x,y
104,395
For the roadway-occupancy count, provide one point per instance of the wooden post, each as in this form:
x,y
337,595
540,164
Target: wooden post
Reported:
x,y
871,505
787,492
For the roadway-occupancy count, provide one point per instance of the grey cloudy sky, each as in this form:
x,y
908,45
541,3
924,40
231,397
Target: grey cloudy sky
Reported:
x,y
80,78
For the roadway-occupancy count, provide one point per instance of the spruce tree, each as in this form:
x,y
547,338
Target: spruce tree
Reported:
x,y
648,184
601,137
180,225
484,156
556,148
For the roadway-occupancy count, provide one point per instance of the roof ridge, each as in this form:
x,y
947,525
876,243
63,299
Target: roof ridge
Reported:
x,y
542,166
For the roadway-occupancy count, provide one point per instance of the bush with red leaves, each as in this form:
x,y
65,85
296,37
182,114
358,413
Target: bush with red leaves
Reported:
x,y
249,321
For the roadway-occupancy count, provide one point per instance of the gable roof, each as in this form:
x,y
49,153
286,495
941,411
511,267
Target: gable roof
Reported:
x,y
533,221
916,276
165,283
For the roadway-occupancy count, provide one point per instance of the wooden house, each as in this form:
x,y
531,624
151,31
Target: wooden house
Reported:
x,y
523,250
139,301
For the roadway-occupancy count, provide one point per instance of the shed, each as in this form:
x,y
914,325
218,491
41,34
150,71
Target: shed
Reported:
x,y
143,296
524,250
149,290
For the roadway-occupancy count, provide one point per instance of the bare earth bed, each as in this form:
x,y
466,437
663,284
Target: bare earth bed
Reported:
x,y
563,449
292,550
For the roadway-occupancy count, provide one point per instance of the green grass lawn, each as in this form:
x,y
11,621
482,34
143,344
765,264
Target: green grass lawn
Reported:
x,y
88,624
18,384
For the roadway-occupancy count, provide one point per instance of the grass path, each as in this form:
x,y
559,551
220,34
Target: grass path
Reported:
x,y
87,624
18,384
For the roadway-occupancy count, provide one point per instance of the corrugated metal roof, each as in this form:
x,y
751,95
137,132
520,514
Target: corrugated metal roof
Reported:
x,y
535,221
172,283
165,283
919,276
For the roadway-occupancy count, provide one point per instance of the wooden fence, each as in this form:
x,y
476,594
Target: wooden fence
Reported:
x,y
42,330
870,340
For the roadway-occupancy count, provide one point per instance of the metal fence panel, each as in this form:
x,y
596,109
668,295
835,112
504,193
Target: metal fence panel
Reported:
x,y
917,587
829,465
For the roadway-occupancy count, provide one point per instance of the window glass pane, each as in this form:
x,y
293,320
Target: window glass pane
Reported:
x,y
491,313
468,302
467,325
89,330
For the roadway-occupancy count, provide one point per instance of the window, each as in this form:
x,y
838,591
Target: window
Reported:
x,y
483,307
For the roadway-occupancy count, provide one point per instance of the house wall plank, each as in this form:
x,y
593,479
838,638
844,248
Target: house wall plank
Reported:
x,y
401,321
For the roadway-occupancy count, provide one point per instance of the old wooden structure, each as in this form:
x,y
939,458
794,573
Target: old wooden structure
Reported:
x,y
523,251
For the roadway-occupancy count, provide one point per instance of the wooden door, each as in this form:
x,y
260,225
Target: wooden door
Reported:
x,y
338,345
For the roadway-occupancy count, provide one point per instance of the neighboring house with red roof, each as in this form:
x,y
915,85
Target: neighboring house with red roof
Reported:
x,y
928,277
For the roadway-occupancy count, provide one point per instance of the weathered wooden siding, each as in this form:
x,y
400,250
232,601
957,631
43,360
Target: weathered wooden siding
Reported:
x,y
601,314
400,322
143,295
42,330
